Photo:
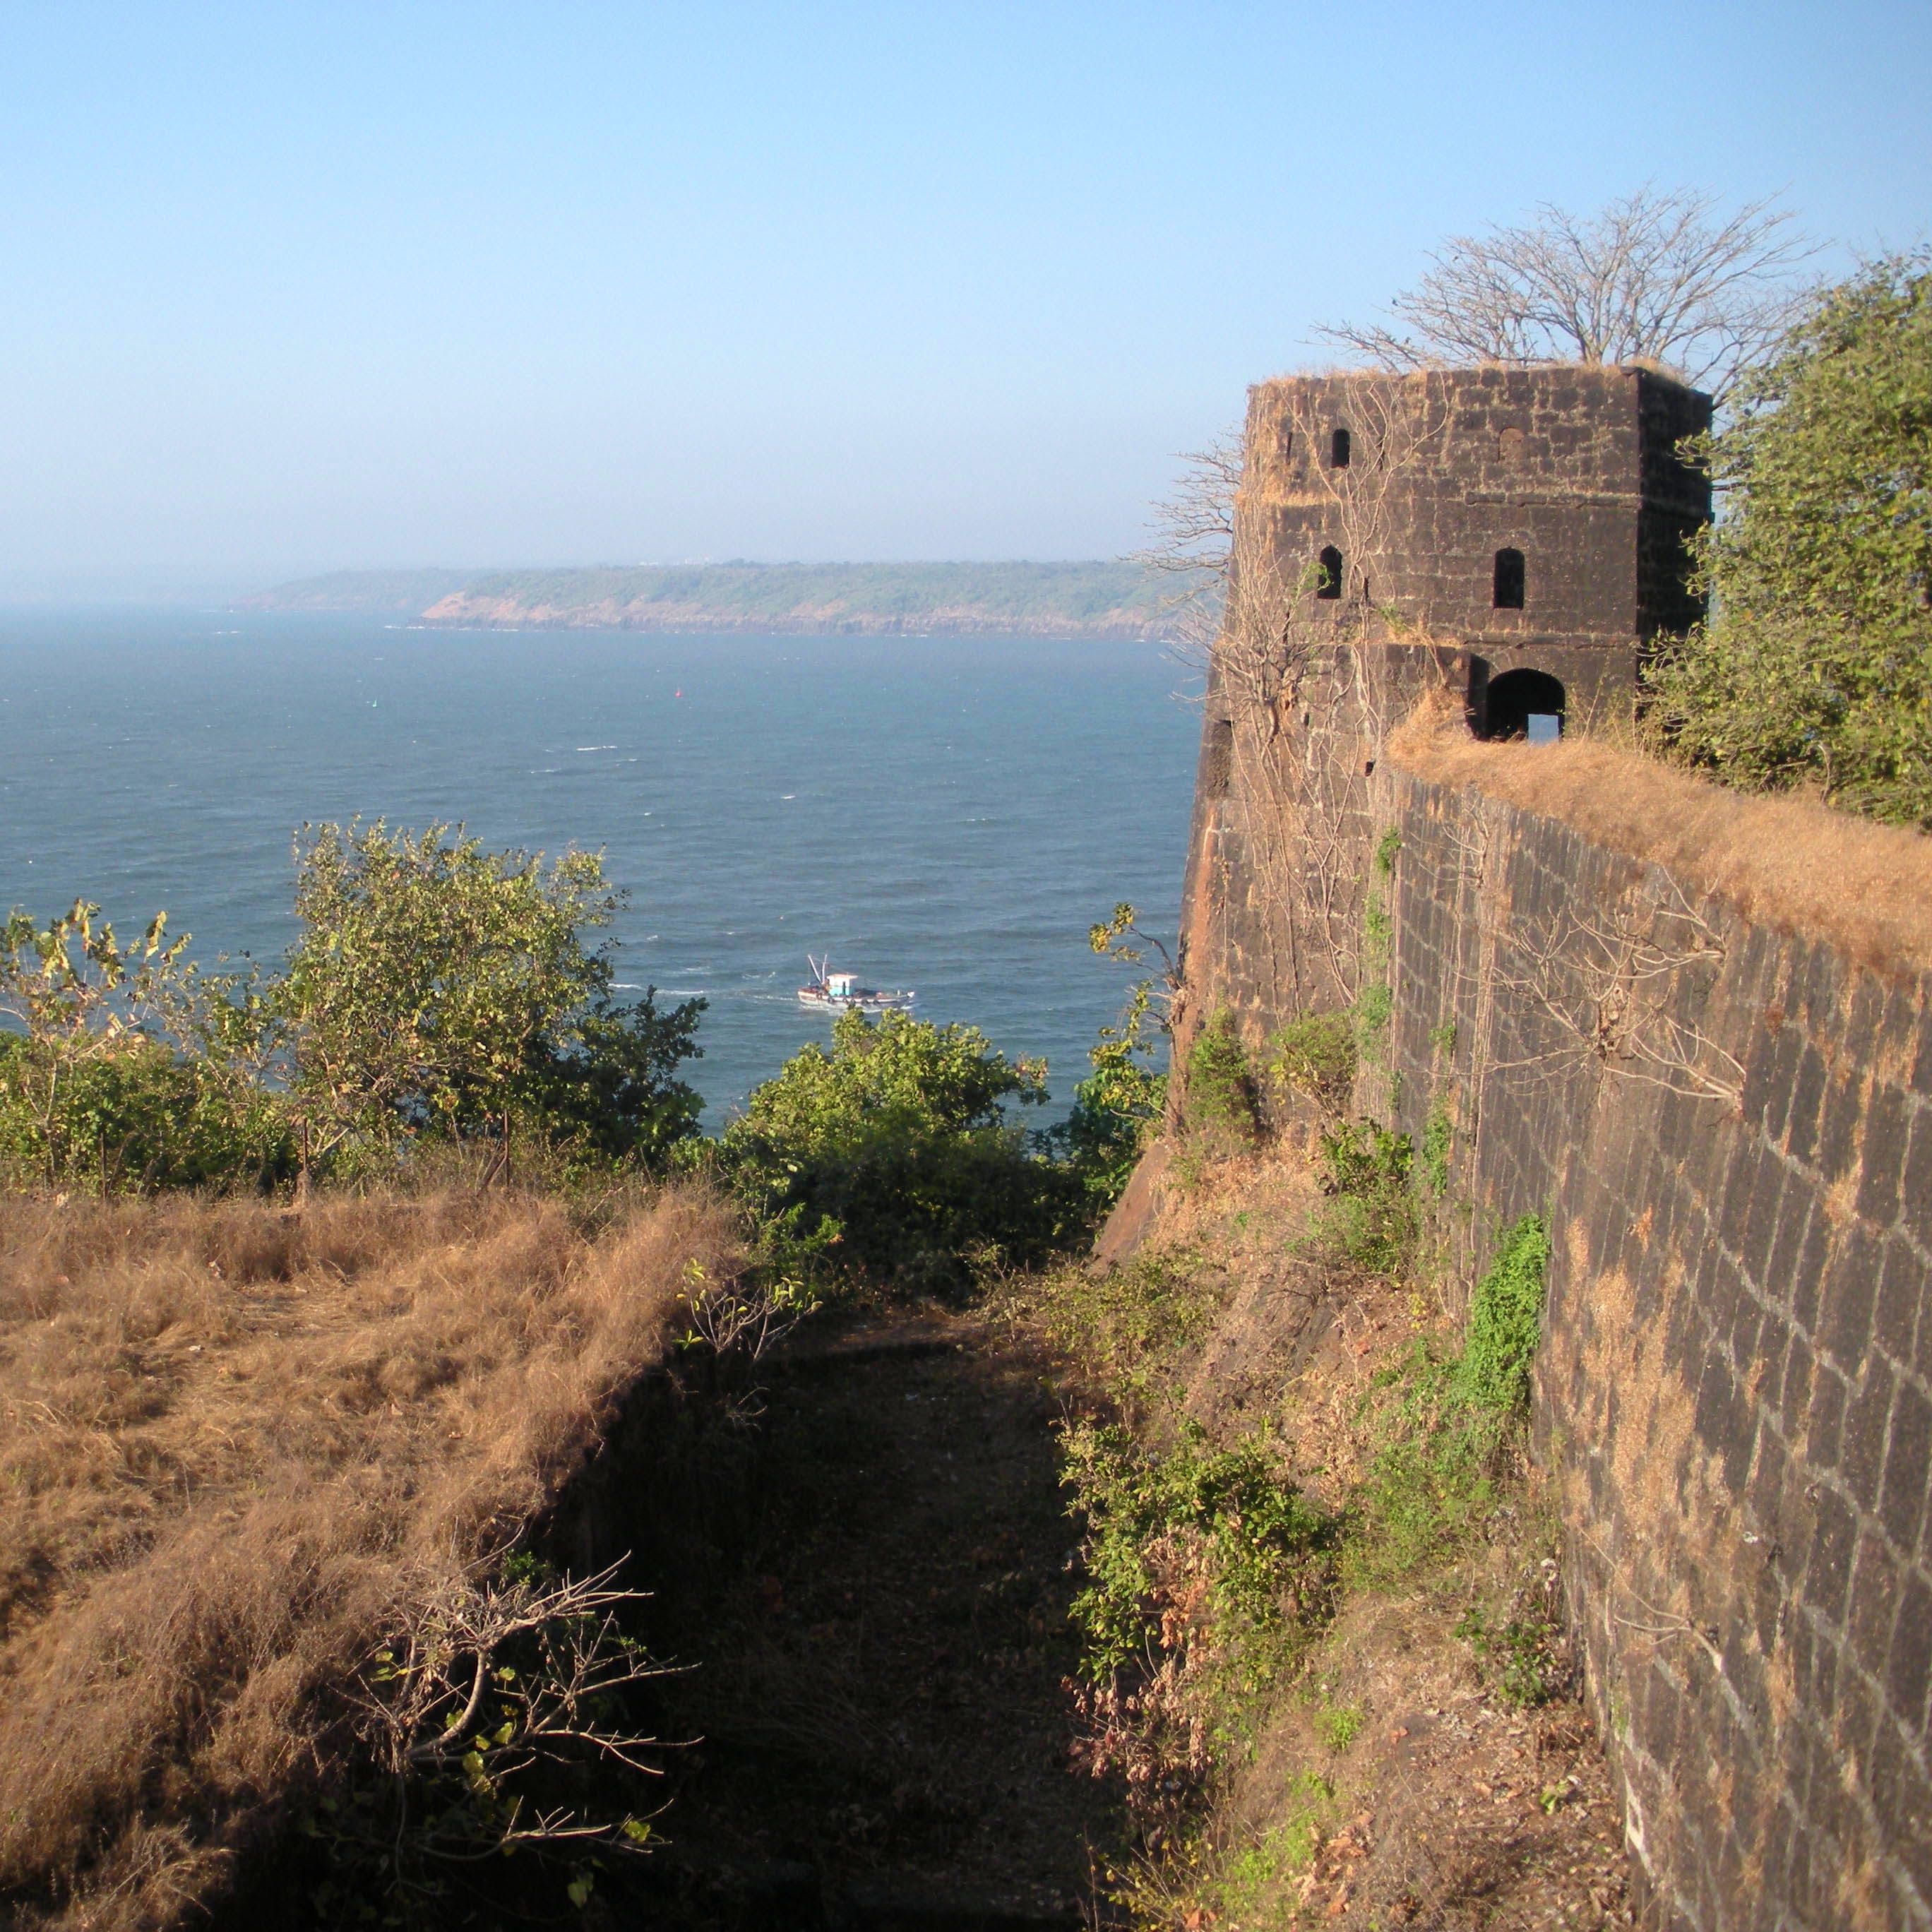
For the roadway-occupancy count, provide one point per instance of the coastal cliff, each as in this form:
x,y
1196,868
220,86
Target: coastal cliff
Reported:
x,y
1051,600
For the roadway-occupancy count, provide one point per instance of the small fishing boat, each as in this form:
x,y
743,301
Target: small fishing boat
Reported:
x,y
831,992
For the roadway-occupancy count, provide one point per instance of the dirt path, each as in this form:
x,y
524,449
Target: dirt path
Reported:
x,y
879,1669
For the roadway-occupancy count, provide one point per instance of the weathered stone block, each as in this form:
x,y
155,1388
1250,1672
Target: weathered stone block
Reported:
x,y
1861,1453
1828,1563
1908,1669
1851,1289
1874,1598
1807,1104
1902,1493
1882,1155
1824,1420
1901,1294
1915,1180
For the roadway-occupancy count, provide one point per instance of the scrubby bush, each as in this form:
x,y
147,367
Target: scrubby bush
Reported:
x,y
1115,1108
1160,1523
437,995
1206,1572
894,1152
125,1069
1219,1098
1369,1218
144,1117
1448,1419
439,988
1506,1320
1313,1056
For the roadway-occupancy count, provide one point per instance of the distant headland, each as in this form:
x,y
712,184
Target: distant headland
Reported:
x,y
1069,600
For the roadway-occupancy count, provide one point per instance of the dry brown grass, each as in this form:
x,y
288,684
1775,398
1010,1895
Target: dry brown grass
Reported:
x,y
239,1447
1791,864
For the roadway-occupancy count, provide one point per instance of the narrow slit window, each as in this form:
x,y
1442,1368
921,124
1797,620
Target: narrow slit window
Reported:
x,y
1329,583
1507,593
1338,450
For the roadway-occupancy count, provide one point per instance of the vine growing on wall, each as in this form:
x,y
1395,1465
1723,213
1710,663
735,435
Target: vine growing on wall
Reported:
x,y
1610,984
1288,661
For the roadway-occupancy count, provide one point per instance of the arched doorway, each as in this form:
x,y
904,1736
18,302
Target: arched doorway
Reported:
x,y
1524,704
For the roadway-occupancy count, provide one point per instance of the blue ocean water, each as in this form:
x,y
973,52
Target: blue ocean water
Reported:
x,y
947,814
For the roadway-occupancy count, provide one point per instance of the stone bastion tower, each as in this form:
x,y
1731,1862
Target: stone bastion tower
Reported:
x,y
1515,536
1535,518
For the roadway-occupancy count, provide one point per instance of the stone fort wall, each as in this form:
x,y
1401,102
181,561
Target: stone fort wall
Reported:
x,y
1729,1125
1731,1128
1726,1110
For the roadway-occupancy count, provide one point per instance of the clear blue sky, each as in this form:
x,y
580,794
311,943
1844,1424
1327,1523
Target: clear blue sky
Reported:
x,y
301,286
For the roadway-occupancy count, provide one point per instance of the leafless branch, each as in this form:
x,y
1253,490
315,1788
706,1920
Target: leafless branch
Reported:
x,y
1655,278
496,1680
1606,981
1193,536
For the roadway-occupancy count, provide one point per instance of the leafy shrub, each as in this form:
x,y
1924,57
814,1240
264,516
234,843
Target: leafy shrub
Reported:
x,y
1220,1097
1506,1319
1114,1108
140,1118
602,1088
896,1149
1439,1137
1127,1324
1204,1569
1257,1885
1370,1217
1522,1654
1374,1007
1432,1478
1210,1534
1313,1055
437,993
1816,666
1340,1727
127,1069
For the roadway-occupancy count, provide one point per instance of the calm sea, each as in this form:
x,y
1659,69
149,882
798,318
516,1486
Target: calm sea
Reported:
x,y
946,813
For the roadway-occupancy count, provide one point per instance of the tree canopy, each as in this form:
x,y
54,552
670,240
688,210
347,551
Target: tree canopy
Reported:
x,y
437,993
1816,665
1658,276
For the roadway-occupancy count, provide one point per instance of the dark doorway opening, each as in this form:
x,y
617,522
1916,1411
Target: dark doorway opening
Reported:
x,y
1330,583
1524,704
1338,450
1509,578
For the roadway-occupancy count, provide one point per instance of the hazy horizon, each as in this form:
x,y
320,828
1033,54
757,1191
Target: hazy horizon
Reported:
x,y
299,290
158,588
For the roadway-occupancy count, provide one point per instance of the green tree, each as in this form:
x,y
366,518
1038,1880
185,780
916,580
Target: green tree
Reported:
x,y
1815,667
439,988
125,1067
896,1145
